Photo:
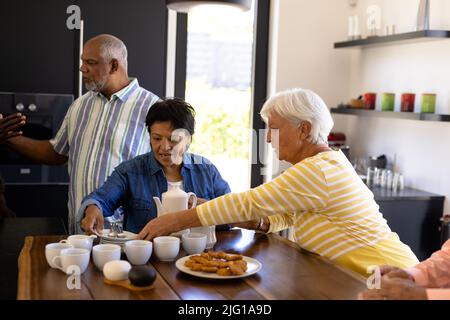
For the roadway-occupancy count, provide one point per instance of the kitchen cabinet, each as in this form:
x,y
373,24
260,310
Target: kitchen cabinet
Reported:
x,y
38,51
41,55
142,26
34,200
414,215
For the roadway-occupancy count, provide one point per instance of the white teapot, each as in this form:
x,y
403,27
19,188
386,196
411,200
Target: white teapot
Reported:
x,y
173,200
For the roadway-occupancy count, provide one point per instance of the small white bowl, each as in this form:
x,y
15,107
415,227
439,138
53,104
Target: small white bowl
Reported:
x,y
166,248
138,251
194,243
116,270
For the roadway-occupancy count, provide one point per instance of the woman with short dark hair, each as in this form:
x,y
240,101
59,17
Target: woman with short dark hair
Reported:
x,y
134,183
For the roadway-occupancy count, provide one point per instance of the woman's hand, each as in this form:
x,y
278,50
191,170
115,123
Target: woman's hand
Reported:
x,y
157,227
169,223
93,221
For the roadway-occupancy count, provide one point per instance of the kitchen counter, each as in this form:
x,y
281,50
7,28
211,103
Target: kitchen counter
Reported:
x,y
414,215
384,194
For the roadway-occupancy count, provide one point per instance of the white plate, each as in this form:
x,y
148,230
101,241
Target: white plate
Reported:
x,y
129,236
253,266
120,244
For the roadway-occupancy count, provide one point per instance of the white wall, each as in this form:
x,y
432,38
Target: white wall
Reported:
x,y
306,32
417,67
306,58
302,46
422,149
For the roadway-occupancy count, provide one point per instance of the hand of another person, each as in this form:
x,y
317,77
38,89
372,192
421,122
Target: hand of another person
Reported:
x,y
93,220
9,126
394,272
395,289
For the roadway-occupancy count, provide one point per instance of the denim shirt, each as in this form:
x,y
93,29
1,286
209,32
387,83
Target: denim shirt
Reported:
x,y
135,182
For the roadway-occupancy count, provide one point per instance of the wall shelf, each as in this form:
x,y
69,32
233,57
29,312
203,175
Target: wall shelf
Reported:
x,y
392,114
416,36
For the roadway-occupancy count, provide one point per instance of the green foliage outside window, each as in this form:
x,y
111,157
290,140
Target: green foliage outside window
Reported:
x,y
222,120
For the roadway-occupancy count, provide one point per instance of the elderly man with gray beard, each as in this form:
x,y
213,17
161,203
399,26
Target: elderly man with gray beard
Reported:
x,y
102,128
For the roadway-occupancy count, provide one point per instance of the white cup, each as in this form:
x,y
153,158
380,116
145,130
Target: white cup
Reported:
x,y
194,243
138,251
54,249
166,248
103,253
80,241
72,259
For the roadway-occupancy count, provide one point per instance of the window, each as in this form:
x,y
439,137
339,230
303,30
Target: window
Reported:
x,y
219,86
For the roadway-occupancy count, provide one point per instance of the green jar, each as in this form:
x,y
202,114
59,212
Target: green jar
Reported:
x,y
428,103
387,101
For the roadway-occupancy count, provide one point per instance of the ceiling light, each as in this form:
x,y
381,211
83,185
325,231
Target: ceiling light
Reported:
x,y
187,6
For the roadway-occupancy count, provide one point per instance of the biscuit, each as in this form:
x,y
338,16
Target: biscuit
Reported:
x,y
221,263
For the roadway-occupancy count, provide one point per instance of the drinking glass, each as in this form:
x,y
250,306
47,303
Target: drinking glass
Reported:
x,y
389,179
395,182
377,177
370,176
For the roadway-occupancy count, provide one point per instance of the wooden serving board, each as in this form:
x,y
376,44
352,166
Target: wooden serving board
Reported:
x,y
126,284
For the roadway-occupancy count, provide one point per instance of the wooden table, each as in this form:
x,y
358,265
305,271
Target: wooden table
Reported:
x,y
287,273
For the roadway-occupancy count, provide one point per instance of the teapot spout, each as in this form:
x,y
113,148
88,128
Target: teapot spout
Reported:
x,y
159,207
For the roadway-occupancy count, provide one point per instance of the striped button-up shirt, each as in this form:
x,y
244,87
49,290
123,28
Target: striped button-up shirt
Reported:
x,y
97,134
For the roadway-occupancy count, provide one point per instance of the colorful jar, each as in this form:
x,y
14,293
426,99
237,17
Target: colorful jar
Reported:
x,y
428,103
387,102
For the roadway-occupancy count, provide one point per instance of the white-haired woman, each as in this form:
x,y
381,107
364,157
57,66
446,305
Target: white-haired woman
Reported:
x,y
332,211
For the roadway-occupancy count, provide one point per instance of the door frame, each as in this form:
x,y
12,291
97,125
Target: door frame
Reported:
x,y
259,79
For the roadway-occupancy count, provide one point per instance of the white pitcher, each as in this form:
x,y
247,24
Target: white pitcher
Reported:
x,y
210,232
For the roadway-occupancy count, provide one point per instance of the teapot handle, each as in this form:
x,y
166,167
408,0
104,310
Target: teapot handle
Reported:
x,y
194,201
